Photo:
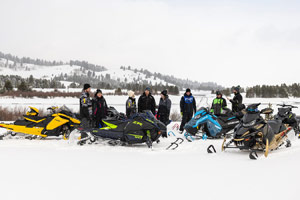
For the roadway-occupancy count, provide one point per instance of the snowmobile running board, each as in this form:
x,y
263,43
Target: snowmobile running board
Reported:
x,y
176,144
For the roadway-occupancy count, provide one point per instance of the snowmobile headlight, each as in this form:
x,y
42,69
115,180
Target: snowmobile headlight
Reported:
x,y
249,124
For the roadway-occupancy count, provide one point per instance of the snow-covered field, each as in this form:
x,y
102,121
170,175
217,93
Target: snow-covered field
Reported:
x,y
55,169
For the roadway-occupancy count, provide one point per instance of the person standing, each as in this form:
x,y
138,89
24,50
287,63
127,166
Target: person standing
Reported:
x,y
130,104
99,109
237,101
146,102
85,105
187,107
164,108
218,104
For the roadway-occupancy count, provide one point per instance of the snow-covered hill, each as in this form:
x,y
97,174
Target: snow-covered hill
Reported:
x,y
25,70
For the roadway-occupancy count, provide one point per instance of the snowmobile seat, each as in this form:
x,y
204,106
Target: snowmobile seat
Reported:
x,y
223,118
115,124
22,122
275,125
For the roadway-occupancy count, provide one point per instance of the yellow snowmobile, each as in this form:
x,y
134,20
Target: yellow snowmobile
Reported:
x,y
60,121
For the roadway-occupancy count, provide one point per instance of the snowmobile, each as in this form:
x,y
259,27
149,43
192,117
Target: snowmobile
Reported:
x,y
211,125
140,128
286,115
256,134
60,121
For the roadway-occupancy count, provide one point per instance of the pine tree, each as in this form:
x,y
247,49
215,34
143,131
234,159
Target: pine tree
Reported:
x,y
23,87
8,86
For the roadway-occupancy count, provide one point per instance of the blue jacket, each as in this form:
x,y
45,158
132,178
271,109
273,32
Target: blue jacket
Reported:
x,y
187,104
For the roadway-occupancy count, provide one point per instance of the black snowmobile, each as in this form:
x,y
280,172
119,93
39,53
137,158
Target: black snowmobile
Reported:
x,y
140,128
286,115
255,134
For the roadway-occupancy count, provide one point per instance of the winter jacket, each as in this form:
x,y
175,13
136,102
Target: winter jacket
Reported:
x,y
217,106
130,106
237,102
146,103
99,108
164,108
187,104
85,105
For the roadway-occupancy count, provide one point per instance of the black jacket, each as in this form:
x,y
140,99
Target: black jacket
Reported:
x,y
146,103
130,106
237,102
99,108
85,105
187,104
164,107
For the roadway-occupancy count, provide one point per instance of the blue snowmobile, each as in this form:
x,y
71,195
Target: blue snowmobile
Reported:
x,y
213,126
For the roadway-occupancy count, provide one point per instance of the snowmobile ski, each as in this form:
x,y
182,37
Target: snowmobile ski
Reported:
x,y
174,145
211,149
169,133
253,155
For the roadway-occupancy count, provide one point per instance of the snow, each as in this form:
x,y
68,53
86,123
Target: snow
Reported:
x,y
44,72
57,169
49,72
131,76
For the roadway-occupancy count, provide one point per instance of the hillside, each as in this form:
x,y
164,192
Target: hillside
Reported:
x,y
75,73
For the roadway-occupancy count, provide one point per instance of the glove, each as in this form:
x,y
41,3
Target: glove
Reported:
x,y
181,113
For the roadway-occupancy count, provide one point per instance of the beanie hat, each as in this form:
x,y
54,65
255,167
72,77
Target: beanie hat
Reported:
x,y
148,88
131,94
237,88
86,86
188,90
164,92
218,92
98,91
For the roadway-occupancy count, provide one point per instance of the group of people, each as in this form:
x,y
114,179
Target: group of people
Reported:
x,y
92,111
219,103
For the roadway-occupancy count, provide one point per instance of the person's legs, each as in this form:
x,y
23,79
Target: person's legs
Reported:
x,y
184,120
98,123
190,116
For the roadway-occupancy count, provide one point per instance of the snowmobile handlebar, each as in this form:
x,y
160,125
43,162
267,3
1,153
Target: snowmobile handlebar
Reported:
x,y
285,105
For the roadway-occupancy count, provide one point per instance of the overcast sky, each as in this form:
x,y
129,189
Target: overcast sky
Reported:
x,y
228,42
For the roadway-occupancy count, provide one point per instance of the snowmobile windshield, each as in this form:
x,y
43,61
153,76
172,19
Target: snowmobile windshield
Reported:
x,y
250,119
202,109
200,113
64,108
283,111
150,115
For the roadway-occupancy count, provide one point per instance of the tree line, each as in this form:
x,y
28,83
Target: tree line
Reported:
x,y
181,83
8,83
274,91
